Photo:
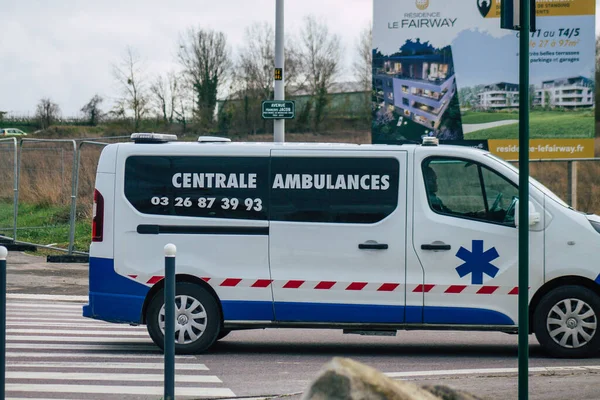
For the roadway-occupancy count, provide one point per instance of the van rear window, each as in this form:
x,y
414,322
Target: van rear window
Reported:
x,y
208,187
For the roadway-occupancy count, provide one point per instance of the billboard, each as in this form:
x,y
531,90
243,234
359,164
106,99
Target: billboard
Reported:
x,y
445,68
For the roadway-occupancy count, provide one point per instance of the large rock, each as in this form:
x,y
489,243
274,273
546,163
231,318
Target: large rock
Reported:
x,y
345,379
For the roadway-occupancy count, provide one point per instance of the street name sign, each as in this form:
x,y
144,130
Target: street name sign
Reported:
x,y
278,109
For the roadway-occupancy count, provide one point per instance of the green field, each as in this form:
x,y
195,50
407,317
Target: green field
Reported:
x,y
45,225
471,117
543,124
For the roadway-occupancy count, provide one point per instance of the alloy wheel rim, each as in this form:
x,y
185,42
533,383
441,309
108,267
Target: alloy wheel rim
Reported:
x,y
571,323
190,319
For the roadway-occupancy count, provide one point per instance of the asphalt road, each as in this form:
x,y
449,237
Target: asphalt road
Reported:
x,y
283,362
275,363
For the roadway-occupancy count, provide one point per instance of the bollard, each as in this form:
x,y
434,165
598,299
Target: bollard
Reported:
x,y
3,254
169,345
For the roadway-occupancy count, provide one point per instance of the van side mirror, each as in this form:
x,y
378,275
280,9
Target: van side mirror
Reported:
x,y
534,216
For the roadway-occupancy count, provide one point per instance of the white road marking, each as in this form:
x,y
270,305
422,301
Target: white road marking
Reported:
x,y
22,314
80,332
29,354
37,306
110,389
104,365
102,325
44,319
486,371
114,347
55,297
65,338
82,376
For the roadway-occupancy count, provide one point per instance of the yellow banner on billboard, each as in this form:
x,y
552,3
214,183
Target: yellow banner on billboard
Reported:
x,y
544,148
551,8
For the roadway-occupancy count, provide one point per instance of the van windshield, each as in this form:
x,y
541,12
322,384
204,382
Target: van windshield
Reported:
x,y
532,180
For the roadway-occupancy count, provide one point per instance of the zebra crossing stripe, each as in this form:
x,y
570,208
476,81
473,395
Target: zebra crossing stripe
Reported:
x,y
66,339
90,347
67,332
106,365
157,356
82,376
118,390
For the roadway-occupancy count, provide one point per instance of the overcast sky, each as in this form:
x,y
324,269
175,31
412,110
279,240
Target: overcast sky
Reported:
x,y
65,49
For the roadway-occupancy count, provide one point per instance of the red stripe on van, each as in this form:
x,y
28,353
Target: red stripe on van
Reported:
x,y
325,285
388,287
205,279
230,282
154,279
356,286
455,289
293,284
487,289
132,276
423,288
262,283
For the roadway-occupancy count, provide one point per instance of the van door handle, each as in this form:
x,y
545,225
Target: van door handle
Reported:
x,y
437,246
372,245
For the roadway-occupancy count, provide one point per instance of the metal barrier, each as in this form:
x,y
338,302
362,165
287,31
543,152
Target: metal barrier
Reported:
x,y
21,154
74,176
15,183
573,164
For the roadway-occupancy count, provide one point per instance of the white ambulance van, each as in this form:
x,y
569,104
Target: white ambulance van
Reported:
x,y
368,239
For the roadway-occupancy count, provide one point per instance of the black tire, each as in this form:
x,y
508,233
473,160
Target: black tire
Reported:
x,y
565,322
200,332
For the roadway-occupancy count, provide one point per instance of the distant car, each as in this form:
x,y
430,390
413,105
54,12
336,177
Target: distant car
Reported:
x,y
12,132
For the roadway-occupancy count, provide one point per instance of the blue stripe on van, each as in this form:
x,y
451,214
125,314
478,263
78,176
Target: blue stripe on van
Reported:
x,y
464,316
598,279
238,310
351,313
113,297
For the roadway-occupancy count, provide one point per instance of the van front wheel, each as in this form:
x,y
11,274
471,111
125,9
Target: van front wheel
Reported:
x,y
197,319
566,322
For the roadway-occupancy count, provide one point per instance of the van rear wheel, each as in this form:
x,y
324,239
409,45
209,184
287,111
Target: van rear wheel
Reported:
x,y
566,322
197,319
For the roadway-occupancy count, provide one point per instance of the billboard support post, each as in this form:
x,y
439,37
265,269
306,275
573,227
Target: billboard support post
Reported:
x,y
525,12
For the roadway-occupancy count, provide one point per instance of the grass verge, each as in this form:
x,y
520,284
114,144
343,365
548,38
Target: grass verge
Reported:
x,y
45,225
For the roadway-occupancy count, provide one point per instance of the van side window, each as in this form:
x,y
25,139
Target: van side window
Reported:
x,y
209,187
462,188
333,190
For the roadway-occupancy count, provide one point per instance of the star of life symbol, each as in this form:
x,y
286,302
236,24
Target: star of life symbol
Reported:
x,y
477,262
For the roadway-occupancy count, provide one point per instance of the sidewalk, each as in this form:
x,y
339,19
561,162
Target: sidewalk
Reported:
x,y
33,275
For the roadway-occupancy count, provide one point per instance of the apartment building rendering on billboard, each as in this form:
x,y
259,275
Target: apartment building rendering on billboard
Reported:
x,y
418,82
499,96
572,92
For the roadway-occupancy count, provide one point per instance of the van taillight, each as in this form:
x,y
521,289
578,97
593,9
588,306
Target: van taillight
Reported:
x,y
98,217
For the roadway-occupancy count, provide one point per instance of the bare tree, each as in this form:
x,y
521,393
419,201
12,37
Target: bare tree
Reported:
x,y
254,72
92,110
206,61
130,75
47,113
320,55
363,65
165,93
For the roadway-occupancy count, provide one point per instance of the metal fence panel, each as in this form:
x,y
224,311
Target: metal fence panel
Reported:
x,y
8,187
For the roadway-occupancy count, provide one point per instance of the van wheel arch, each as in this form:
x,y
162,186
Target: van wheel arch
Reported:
x,y
555,283
180,278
